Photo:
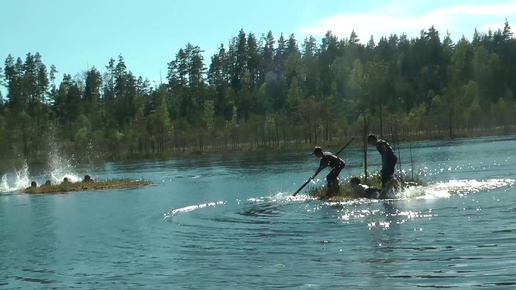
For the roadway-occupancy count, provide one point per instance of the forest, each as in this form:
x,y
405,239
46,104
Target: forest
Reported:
x,y
262,92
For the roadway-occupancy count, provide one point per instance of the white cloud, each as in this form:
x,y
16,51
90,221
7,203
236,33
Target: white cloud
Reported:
x,y
458,20
491,26
492,10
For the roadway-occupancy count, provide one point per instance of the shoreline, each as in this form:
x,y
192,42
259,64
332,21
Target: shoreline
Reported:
x,y
239,148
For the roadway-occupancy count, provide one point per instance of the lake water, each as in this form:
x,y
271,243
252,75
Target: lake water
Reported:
x,y
229,222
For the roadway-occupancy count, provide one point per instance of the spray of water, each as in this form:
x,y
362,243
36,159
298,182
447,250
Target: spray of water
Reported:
x,y
448,188
19,179
59,167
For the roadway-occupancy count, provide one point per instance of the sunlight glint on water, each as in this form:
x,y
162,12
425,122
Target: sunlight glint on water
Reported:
x,y
231,223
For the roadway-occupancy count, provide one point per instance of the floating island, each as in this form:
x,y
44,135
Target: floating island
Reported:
x,y
86,184
345,192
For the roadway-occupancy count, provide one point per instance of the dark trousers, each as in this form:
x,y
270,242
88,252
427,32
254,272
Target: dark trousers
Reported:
x,y
373,192
388,166
333,181
334,173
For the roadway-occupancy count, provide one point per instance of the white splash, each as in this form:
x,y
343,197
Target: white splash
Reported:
x,y
21,180
446,189
59,168
281,197
471,186
4,186
191,208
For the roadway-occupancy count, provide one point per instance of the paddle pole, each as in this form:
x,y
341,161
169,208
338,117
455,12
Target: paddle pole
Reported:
x,y
347,144
303,186
309,179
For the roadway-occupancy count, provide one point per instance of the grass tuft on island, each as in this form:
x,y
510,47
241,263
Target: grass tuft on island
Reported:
x,y
346,192
67,186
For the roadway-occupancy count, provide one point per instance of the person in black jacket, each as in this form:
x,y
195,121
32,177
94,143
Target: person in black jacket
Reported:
x,y
389,159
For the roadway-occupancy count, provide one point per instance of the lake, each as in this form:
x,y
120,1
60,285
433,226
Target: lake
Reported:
x,y
228,221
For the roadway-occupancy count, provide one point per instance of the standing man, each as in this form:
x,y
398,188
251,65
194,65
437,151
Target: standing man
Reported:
x,y
389,159
328,159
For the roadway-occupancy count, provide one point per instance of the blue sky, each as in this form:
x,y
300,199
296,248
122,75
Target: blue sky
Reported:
x,y
76,35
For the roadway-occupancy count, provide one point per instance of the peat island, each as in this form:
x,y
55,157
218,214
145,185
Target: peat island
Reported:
x,y
86,184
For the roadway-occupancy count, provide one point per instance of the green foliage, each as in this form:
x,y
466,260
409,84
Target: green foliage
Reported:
x,y
345,192
267,92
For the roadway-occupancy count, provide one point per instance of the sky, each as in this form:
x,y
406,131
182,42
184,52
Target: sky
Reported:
x,y
76,35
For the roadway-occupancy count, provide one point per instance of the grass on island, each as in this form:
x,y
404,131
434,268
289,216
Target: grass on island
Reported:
x,y
346,192
67,186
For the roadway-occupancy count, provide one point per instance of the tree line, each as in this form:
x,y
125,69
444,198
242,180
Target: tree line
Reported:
x,y
261,92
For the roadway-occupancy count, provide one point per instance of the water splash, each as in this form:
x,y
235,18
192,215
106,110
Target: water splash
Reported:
x,y
472,186
21,179
59,167
4,186
446,189
22,176
170,214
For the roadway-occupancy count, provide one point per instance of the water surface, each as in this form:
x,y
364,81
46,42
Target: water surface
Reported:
x,y
229,222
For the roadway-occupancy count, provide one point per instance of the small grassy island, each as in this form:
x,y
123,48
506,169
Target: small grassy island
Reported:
x,y
86,184
346,192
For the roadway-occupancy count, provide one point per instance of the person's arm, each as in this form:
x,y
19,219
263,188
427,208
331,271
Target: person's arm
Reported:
x,y
343,162
317,171
322,164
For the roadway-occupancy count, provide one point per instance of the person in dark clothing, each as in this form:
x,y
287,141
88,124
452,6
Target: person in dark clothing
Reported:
x,y
389,159
87,178
363,191
328,159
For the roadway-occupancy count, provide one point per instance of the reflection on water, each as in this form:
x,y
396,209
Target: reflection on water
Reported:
x,y
400,235
282,204
230,222
263,210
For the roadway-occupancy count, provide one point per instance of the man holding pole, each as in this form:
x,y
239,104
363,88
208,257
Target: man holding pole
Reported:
x,y
328,159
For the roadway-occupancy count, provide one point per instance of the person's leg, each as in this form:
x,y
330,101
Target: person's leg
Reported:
x,y
385,177
373,192
333,181
388,167
392,165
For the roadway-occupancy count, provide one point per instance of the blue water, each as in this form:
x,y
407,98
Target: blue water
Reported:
x,y
229,222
